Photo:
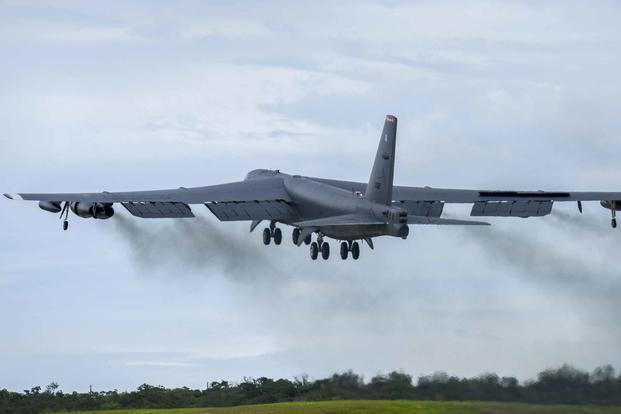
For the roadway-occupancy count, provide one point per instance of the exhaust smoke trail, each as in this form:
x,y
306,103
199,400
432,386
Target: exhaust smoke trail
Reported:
x,y
581,222
194,244
592,286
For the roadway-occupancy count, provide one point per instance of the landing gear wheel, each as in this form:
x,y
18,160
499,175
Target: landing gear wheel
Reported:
x,y
307,240
614,223
314,250
277,236
295,236
325,250
355,250
267,236
65,225
344,250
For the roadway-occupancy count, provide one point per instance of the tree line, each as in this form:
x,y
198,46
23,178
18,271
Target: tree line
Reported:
x,y
564,385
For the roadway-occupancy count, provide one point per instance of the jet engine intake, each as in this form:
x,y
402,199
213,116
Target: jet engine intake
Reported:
x,y
103,211
100,211
611,204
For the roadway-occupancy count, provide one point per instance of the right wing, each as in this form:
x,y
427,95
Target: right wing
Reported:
x,y
429,202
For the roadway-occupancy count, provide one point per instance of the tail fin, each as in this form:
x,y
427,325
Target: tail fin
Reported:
x,y
379,188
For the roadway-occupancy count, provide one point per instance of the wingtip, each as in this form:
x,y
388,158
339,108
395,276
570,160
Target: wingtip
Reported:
x,y
13,196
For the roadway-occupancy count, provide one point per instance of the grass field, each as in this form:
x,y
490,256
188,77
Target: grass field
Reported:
x,y
389,407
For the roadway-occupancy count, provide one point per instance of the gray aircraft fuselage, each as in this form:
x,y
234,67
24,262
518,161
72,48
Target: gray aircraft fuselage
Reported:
x,y
313,199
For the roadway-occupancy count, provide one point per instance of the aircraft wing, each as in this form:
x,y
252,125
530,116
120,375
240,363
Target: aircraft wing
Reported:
x,y
473,196
259,199
260,189
428,201
448,195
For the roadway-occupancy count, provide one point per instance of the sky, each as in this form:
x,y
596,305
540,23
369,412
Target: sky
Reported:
x,y
147,95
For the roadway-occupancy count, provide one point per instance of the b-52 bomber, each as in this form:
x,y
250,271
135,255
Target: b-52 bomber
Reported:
x,y
321,208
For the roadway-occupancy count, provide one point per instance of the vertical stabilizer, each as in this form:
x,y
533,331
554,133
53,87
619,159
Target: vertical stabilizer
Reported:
x,y
379,188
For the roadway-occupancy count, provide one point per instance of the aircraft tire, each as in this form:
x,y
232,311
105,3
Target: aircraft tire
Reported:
x,y
295,236
614,223
325,251
267,236
277,236
344,250
307,240
314,250
355,250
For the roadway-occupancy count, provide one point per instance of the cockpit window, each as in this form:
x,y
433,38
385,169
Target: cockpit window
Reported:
x,y
260,173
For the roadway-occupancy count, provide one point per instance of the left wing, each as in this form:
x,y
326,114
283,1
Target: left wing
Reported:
x,y
257,199
260,189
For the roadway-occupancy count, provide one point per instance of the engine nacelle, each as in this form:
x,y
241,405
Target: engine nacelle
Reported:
x,y
51,206
100,211
82,209
398,230
103,211
610,204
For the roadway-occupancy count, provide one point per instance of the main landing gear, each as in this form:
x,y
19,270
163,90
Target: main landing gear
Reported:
x,y
352,247
272,232
295,237
320,246
613,222
316,248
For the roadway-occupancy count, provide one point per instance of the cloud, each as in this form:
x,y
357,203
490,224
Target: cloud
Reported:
x,y
490,95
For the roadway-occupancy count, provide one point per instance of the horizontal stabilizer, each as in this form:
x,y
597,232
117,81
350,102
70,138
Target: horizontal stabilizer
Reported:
x,y
344,220
365,220
444,221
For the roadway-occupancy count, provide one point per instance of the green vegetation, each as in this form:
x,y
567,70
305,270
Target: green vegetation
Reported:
x,y
378,407
565,385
